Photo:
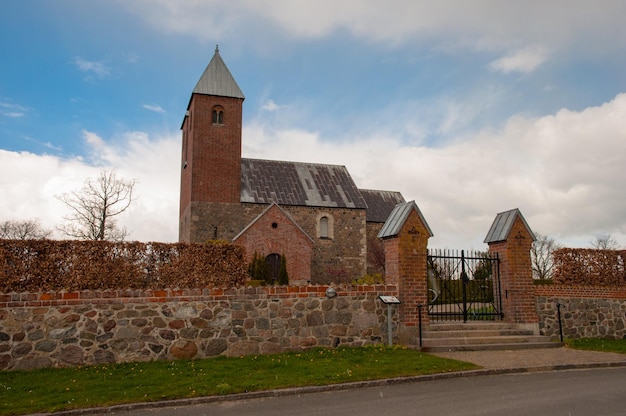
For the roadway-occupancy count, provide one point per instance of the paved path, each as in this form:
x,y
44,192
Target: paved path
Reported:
x,y
537,359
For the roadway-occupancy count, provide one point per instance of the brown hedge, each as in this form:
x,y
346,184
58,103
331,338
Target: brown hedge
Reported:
x,y
51,265
589,267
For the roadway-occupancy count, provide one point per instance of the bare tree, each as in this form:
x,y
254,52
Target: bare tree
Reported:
x,y
23,230
95,205
605,242
541,256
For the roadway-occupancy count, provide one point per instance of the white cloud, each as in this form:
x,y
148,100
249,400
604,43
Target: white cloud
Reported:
x,y
92,67
155,108
524,60
30,183
271,106
484,23
12,110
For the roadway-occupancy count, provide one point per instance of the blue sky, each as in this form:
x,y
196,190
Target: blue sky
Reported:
x,y
468,108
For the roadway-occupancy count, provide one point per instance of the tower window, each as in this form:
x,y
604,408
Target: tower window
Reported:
x,y
218,115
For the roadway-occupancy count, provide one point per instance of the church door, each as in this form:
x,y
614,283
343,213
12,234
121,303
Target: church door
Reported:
x,y
273,265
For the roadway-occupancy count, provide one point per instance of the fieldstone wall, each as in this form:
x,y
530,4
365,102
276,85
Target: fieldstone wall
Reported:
x,y
586,312
83,328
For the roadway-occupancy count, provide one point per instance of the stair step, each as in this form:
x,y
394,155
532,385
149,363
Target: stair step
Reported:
x,y
470,326
476,336
477,333
492,347
484,340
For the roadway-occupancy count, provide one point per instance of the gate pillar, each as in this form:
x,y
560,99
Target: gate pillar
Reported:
x,y
511,238
405,240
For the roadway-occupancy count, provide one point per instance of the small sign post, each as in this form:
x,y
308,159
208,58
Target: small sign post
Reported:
x,y
389,300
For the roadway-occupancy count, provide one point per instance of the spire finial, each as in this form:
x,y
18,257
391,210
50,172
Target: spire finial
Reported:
x,y
217,48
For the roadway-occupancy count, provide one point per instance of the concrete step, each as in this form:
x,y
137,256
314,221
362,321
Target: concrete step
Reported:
x,y
520,339
476,336
493,347
466,333
471,325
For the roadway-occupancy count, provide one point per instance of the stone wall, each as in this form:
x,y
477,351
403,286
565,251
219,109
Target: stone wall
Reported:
x,y
586,312
82,328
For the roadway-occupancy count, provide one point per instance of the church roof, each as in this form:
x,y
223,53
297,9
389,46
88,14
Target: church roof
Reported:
x,y
300,184
217,80
380,203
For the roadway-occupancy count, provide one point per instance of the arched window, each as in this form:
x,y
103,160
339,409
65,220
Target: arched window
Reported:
x,y
218,115
324,227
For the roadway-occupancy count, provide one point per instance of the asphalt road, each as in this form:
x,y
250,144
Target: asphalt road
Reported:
x,y
598,392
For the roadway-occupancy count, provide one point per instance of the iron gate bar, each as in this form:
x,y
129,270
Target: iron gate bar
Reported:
x,y
464,286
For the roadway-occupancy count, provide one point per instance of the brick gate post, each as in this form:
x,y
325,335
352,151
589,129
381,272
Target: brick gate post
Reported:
x,y
511,238
405,240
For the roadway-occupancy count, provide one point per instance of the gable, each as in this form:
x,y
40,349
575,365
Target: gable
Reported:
x,y
272,214
275,232
300,184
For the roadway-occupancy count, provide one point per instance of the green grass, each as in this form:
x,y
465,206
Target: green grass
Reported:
x,y
598,344
49,390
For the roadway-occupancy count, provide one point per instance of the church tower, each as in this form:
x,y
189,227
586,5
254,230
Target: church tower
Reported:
x,y
211,151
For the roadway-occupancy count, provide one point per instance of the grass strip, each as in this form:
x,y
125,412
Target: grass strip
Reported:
x,y
49,390
598,344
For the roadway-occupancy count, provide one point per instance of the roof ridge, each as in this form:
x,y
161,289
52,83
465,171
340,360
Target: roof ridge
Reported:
x,y
294,162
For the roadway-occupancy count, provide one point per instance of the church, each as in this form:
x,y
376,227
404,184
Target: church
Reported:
x,y
312,214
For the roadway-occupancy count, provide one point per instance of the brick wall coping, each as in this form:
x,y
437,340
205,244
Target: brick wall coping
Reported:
x,y
27,299
580,291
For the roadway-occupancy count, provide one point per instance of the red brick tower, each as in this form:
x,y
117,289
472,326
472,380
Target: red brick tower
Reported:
x,y
211,151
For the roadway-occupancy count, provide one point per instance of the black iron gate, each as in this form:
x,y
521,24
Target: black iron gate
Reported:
x,y
463,286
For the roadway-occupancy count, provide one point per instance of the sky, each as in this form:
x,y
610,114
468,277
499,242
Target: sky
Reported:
x,y
468,108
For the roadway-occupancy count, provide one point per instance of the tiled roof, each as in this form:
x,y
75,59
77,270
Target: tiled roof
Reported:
x,y
295,183
380,203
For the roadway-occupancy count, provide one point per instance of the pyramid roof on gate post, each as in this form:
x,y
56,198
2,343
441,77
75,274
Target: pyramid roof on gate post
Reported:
x,y
502,225
398,217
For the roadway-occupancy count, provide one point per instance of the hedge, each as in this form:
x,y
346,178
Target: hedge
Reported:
x,y
53,265
589,267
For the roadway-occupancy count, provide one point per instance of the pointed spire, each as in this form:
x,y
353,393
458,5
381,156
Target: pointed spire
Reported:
x,y
217,79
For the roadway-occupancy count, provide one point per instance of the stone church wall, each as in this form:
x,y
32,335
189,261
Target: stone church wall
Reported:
x,y
338,259
341,257
83,328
